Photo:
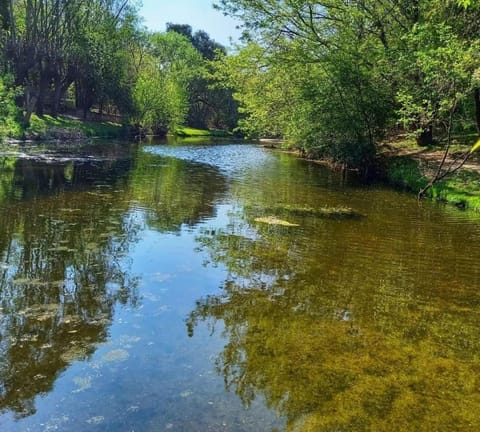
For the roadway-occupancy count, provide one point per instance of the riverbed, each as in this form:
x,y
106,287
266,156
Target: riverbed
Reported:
x,y
209,287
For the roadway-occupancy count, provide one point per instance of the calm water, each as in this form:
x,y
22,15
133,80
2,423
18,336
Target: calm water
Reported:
x,y
139,292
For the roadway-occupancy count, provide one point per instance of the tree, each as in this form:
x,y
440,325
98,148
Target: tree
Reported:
x,y
327,69
51,44
210,105
368,66
161,90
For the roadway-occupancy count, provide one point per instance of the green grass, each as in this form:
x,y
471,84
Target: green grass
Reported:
x,y
462,189
48,127
405,173
184,131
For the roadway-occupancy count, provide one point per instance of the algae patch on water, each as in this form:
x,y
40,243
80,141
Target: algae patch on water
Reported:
x,y
271,220
279,214
322,212
117,355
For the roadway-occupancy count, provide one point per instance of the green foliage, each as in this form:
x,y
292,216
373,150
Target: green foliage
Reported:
x,y
332,103
330,108
259,86
78,48
210,105
334,77
161,89
9,113
438,76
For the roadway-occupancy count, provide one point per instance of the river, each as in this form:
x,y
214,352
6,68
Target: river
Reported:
x,y
195,287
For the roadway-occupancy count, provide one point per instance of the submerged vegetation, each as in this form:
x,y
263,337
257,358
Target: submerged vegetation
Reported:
x,y
286,211
271,220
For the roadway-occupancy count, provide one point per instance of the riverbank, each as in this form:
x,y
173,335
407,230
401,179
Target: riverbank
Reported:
x,y
64,128
404,165
188,132
69,128
409,167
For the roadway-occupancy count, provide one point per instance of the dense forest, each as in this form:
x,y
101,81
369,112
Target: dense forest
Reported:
x,y
333,78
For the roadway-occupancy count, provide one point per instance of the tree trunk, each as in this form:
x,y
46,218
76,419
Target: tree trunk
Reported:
x,y
56,98
426,136
41,97
30,102
476,98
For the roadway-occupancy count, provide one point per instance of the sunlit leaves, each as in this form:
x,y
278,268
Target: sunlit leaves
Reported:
x,y
161,90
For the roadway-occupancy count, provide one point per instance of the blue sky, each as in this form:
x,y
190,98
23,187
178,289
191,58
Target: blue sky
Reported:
x,y
198,13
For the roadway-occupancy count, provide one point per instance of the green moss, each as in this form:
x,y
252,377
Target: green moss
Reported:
x,y
325,212
302,211
461,189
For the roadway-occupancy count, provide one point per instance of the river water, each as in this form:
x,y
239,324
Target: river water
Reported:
x,y
196,287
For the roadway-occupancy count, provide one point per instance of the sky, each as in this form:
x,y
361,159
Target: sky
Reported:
x,y
198,13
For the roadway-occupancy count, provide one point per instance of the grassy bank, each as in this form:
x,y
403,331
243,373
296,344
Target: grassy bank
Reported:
x,y
48,127
67,128
188,132
62,128
461,189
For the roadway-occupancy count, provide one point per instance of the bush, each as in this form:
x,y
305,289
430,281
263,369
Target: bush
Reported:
x,y
10,115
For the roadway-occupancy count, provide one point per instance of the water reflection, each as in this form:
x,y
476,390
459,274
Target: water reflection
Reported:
x,y
174,192
68,224
341,329
366,323
58,288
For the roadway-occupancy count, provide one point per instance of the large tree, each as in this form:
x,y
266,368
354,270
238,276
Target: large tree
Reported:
x,y
210,105
368,66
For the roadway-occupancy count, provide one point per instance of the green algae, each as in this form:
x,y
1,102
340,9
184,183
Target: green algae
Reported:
x,y
321,212
271,220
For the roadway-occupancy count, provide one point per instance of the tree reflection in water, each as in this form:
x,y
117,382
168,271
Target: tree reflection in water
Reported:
x,y
62,270
328,351
67,225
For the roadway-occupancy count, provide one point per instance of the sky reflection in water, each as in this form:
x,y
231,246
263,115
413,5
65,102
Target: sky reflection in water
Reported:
x,y
137,292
